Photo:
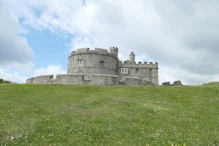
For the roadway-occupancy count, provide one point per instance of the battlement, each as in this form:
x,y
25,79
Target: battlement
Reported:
x,y
87,50
113,51
139,64
114,48
101,50
84,50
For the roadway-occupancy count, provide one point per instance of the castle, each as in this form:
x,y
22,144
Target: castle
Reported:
x,y
100,67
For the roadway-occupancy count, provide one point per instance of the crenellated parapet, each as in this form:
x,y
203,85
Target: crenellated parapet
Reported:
x,y
139,64
114,51
100,51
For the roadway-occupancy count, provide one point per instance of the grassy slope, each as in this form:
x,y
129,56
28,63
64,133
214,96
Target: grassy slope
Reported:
x,y
98,115
211,84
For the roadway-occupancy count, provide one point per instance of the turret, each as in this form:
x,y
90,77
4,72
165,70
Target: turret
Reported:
x,y
114,51
132,57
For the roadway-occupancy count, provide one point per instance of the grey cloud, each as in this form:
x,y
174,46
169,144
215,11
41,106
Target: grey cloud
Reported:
x,y
183,34
14,49
194,27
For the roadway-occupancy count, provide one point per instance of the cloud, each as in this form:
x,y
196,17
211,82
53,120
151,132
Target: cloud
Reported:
x,y
186,77
181,35
16,55
12,76
16,76
49,70
14,49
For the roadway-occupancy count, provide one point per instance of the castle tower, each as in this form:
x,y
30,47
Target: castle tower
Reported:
x,y
114,51
132,57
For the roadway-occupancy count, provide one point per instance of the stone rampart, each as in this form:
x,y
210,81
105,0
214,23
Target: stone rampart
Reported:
x,y
44,79
97,61
93,79
100,51
89,79
140,64
82,50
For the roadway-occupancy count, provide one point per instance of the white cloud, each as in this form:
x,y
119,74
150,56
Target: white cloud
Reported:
x,y
181,35
81,42
170,75
12,76
15,76
16,55
14,49
49,70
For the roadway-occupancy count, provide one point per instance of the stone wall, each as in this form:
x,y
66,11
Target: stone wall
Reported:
x,y
175,83
145,71
148,83
132,81
93,79
98,61
40,79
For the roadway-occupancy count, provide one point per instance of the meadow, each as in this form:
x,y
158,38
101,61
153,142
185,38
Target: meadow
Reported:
x,y
104,115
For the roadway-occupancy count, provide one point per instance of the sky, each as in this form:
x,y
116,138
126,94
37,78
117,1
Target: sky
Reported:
x,y
37,36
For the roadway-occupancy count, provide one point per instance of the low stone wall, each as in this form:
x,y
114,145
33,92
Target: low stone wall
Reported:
x,y
89,79
175,83
93,79
103,79
40,79
68,79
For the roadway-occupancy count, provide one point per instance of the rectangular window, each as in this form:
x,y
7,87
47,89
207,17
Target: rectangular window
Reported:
x,y
124,70
150,73
101,63
137,70
79,62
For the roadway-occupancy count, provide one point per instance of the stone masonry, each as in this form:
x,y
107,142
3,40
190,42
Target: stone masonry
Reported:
x,y
100,67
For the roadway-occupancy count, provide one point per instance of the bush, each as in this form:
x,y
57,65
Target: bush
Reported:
x,y
5,82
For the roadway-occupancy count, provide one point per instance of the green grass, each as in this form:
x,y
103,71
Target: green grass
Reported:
x,y
101,115
211,84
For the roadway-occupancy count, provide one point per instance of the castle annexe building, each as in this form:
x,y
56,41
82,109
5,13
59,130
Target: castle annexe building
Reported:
x,y
100,67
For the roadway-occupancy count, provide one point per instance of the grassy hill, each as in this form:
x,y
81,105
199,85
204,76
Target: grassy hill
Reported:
x,y
211,84
100,115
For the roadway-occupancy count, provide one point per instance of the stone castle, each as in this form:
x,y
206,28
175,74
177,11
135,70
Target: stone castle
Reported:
x,y
100,67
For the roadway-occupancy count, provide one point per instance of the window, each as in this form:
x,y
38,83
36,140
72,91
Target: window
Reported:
x,y
79,62
137,70
150,73
102,63
124,70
